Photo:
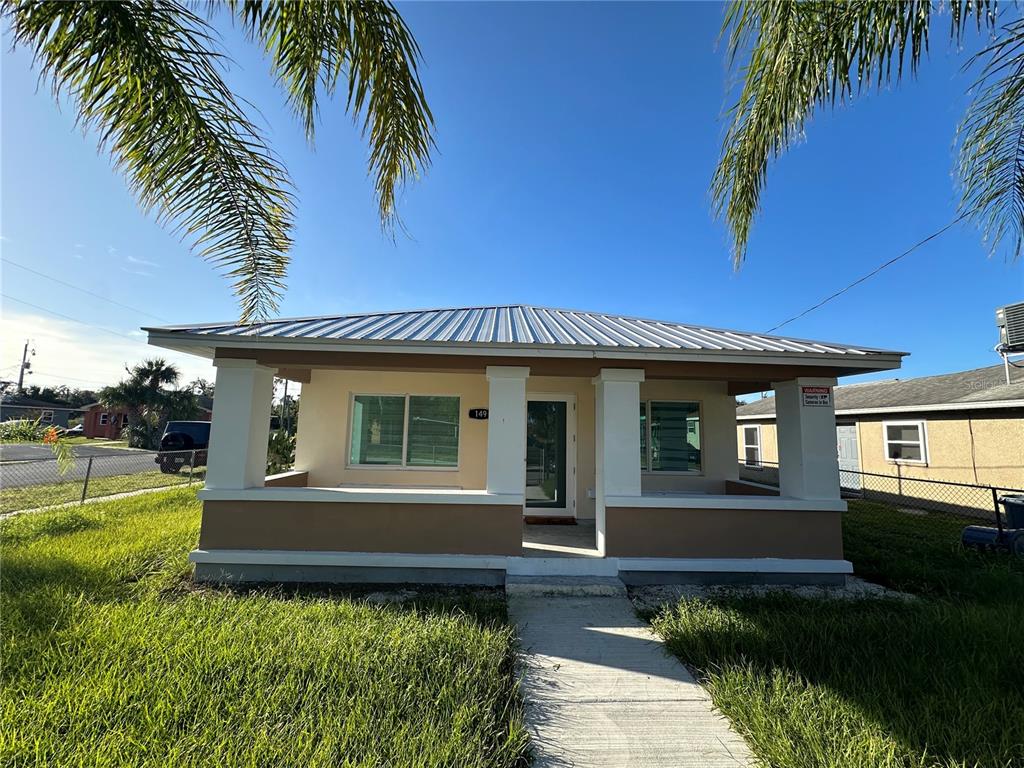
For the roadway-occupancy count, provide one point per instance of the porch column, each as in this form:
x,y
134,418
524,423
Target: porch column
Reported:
x,y
506,429
617,423
241,425
805,418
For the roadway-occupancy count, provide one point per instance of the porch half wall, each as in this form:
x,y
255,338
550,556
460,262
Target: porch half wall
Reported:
x,y
723,533
400,528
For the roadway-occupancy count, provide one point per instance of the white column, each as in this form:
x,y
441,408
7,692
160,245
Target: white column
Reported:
x,y
808,457
506,429
617,423
241,425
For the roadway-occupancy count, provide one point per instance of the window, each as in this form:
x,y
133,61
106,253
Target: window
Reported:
x,y
905,441
404,431
752,446
46,417
670,436
124,419
104,419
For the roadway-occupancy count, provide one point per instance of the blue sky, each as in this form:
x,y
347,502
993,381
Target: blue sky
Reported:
x,y
575,147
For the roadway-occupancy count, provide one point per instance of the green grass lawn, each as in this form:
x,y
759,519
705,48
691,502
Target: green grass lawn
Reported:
x,y
935,681
35,496
110,656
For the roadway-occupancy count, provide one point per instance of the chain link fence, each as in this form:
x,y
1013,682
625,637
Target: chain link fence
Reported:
x,y
36,483
973,504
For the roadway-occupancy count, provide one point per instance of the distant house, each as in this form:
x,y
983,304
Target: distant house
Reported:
x,y
16,407
965,427
101,421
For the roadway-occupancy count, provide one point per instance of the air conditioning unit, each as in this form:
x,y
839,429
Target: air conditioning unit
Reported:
x,y
1010,320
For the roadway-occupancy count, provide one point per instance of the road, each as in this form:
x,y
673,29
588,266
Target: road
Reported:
x,y
35,452
28,469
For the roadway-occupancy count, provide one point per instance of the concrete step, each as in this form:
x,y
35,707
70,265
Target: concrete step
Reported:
x,y
564,586
562,566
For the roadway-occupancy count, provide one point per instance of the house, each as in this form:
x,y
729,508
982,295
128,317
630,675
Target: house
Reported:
x,y
432,442
17,407
102,421
965,427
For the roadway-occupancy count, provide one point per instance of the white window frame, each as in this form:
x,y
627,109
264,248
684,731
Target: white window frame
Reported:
x,y
124,419
104,419
645,466
403,467
46,417
757,445
922,432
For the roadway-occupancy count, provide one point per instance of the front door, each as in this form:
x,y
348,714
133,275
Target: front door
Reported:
x,y
849,461
550,454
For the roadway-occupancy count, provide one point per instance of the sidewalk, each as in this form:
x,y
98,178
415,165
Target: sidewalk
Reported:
x,y
601,690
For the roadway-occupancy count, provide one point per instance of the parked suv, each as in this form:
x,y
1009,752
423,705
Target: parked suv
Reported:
x,y
183,442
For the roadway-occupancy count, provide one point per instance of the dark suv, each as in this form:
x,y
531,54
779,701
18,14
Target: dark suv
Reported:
x,y
183,443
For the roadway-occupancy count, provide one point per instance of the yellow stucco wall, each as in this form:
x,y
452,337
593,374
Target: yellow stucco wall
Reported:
x,y
322,443
997,457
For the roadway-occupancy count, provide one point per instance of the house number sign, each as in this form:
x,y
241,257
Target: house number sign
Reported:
x,y
478,413
816,396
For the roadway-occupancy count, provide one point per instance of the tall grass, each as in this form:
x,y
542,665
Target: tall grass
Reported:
x,y
936,681
110,657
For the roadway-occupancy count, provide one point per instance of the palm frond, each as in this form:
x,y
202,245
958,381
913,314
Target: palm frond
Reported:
x,y
797,57
147,78
991,138
314,46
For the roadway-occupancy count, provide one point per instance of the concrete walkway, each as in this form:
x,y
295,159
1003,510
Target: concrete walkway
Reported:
x,y
601,690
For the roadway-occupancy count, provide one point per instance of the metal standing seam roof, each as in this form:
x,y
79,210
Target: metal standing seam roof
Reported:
x,y
518,325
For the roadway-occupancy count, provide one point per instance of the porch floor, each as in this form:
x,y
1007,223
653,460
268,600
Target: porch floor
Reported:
x,y
578,540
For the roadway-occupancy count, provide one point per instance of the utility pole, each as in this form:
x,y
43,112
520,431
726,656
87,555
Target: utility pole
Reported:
x,y
26,365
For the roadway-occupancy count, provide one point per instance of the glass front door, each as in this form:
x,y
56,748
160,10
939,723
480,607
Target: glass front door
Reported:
x,y
546,454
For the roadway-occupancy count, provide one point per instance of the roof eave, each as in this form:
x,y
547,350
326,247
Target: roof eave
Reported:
x,y
205,345
919,408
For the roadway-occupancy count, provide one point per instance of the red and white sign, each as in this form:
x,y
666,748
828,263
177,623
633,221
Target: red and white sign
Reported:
x,y
816,396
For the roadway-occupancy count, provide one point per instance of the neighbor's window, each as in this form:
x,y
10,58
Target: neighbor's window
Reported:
x,y
670,436
104,419
405,431
752,446
46,417
124,419
905,441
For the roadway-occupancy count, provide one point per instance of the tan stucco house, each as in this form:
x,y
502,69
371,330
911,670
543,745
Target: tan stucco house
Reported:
x,y
965,427
432,444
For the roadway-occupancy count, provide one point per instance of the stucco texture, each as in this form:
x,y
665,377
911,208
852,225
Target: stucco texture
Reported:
x,y
323,438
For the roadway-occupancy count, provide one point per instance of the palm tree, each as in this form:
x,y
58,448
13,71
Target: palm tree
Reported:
x,y
796,58
147,78
148,403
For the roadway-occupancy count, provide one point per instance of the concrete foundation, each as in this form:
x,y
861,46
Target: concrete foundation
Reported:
x,y
345,574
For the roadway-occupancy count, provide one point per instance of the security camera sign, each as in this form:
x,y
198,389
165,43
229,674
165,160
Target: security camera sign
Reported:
x,y
816,396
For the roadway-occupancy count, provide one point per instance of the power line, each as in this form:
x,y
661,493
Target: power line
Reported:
x,y
869,275
69,378
72,319
83,290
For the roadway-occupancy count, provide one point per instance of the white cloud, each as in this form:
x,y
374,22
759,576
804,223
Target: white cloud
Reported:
x,y
142,262
138,272
83,357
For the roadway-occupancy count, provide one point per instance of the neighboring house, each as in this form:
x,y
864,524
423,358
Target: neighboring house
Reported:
x,y
101,421
16,407
965,427
428,437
